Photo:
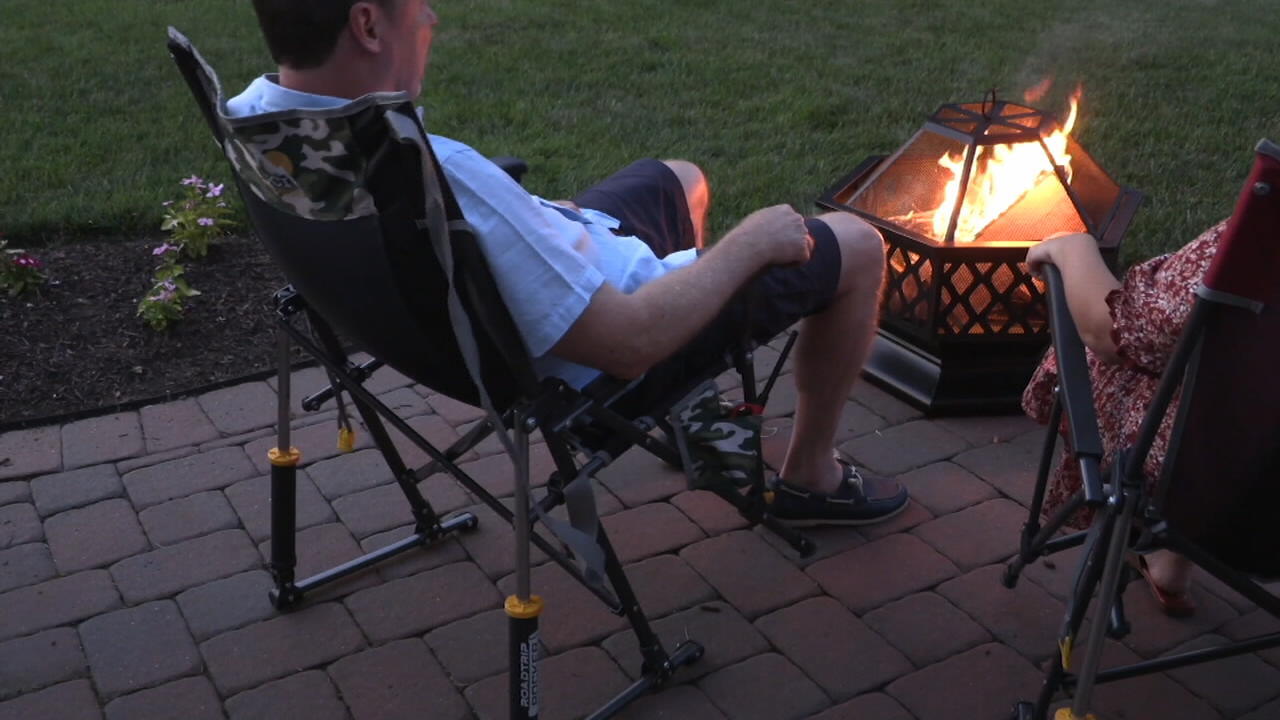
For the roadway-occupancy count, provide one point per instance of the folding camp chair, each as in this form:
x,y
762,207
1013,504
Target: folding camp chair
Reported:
x,y
379,256
1217,500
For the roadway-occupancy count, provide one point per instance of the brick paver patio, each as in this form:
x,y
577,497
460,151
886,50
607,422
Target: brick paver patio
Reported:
x,y
132,586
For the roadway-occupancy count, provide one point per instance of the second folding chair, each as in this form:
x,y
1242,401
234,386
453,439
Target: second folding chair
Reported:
x,y
1217,499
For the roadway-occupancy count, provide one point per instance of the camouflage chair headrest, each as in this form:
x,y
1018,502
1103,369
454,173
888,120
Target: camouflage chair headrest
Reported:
x,y
310,163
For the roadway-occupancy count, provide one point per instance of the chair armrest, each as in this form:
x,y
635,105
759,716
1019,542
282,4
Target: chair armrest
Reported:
x,y
513,166
1075,389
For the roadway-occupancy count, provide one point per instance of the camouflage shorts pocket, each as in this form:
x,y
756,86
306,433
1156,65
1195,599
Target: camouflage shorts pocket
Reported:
x,y
717,446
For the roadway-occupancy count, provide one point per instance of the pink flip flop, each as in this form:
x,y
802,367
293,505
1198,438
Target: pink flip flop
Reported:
x,y
1175,605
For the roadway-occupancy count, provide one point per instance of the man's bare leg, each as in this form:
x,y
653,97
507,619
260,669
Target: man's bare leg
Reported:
x,y
832,348
698,193
833,344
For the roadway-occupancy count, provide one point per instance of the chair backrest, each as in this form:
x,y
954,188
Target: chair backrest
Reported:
x,y
348,202
1224,480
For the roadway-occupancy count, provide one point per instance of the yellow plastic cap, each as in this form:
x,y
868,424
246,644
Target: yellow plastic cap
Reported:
x,y
346,439
524,609
284,459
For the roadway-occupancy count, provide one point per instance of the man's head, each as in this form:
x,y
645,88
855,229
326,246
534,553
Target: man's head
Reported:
x,y
361,45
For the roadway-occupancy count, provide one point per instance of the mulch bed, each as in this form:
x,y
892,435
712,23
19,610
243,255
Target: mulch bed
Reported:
x,y
77,346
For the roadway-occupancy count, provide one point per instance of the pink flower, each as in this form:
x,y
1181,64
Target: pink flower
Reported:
x,y
214,191
193,180
164,248
27,261
205,222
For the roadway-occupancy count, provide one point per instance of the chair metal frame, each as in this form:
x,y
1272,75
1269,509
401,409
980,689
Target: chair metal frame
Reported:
x,y
583,434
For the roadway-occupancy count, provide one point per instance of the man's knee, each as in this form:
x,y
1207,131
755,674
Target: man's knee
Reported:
x,y
861,245
697,194
691,177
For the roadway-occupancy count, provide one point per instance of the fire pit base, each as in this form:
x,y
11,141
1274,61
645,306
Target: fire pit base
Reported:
x,y
959,382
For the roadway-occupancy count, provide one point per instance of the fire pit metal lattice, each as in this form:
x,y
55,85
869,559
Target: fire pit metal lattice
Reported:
x,y
963,322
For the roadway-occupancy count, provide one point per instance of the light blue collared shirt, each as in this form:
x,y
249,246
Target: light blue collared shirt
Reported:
x,y
548,260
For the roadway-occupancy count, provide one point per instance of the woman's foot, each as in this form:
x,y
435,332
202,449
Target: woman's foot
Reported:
x,y
1168,574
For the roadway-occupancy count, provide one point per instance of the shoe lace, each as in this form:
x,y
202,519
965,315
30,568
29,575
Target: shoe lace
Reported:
x,y
855,478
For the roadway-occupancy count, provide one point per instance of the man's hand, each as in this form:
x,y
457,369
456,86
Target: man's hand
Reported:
x,y
777,233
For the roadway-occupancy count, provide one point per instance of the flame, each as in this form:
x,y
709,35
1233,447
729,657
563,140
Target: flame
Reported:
x,y
1001,175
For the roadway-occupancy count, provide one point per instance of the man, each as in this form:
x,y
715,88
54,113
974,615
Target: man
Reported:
x,y
609,282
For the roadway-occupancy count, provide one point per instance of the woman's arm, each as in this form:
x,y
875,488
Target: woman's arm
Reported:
x,y
1087,282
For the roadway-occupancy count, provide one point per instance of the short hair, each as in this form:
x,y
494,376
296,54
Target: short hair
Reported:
x,y
302,34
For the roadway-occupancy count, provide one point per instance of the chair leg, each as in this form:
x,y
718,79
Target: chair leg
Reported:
x,y
288,593
1087,579
284,459
284,556
657,665
1033,537
1033,546
523,607
1112,572
1117,621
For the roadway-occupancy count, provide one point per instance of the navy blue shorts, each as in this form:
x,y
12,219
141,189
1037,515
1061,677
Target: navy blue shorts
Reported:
x,y
649,201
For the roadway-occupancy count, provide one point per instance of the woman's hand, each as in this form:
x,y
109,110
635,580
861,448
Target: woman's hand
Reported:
x,y
1051,249
1087,281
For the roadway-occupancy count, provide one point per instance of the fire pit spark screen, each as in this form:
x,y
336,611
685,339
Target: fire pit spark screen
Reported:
x,y
963,321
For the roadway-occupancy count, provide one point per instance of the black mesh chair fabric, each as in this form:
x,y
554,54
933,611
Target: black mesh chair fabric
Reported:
x,y
1224,493
354,236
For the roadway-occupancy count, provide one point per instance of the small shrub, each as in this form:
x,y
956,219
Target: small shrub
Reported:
x,y
20,271
197,219
163,303
193,223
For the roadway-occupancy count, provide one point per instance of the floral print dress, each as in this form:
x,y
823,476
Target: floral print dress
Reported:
x,y
1148,312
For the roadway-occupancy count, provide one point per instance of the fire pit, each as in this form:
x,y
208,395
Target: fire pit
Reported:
x,y
963,321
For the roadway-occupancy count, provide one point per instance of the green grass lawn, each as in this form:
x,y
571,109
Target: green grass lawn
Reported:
x,y
775,99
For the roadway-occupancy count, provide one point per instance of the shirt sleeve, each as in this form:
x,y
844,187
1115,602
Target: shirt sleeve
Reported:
x,y
539,257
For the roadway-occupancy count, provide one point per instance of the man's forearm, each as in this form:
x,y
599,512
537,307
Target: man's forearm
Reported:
x,y
678,305
625,335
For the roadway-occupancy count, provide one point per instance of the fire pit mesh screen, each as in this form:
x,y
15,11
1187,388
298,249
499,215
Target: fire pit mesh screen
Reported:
x,y
984,298
971,298
906,293
1096,192
910,183
952,181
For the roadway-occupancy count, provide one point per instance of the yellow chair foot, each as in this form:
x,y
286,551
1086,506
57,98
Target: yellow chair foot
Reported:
x,y
346,440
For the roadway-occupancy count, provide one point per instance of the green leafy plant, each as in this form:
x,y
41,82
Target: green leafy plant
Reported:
x,y
164,302
193,223
20,271
198,219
